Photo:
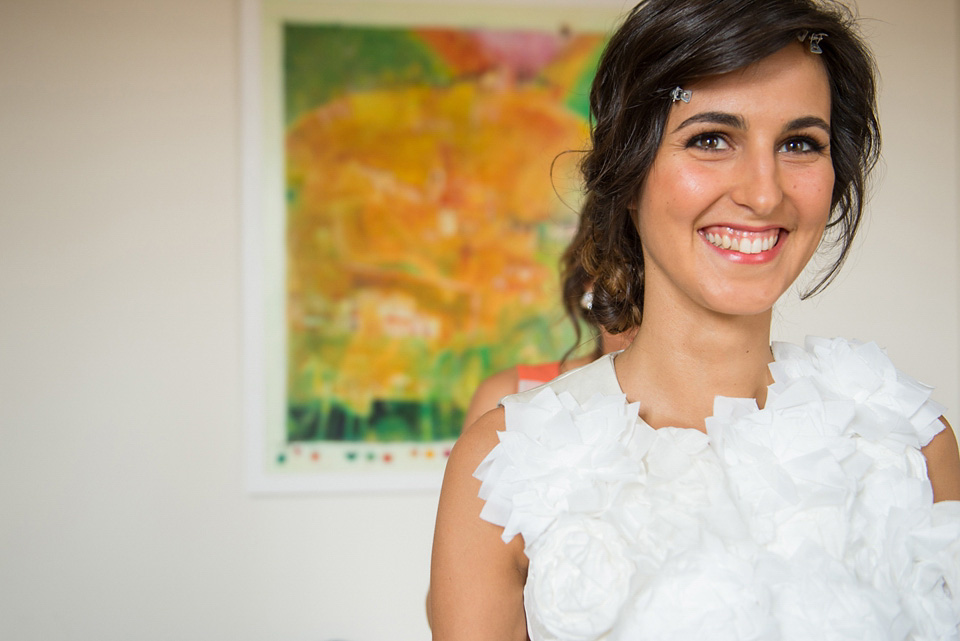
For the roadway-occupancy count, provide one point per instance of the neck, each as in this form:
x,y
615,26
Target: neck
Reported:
x,y
679,362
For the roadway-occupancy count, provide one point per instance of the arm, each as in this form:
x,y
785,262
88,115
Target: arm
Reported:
x,y
476,579
485,398
943,464
488,394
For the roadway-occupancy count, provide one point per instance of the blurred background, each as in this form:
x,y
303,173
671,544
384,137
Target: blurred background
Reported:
x,y
123,505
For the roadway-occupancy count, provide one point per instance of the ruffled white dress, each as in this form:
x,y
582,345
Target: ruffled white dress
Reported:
x,y
810,519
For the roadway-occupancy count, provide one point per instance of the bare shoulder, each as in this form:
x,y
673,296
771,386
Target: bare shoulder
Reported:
x,y
488,394
943,464
575,363
476,579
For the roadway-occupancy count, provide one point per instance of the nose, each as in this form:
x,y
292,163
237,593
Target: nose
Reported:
x,y
758,182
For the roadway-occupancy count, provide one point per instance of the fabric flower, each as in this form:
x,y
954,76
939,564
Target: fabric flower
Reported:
x,y
709,594
578,580
567,458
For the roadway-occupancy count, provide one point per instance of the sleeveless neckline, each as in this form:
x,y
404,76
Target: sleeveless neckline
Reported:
x,y
603,374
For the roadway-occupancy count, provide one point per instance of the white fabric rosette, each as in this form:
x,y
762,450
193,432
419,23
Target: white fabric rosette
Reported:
x,y
566,458
710,593
578,580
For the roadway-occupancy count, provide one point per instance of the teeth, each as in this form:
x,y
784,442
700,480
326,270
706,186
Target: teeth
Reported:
x,y
753,245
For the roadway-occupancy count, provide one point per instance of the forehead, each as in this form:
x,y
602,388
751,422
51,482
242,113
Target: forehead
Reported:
x,y
783,86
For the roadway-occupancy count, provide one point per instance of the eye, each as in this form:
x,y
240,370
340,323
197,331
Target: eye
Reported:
x,y
709,142
801,145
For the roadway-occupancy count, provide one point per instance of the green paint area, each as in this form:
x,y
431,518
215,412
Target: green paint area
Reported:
x,y
578,100
322,62
390,421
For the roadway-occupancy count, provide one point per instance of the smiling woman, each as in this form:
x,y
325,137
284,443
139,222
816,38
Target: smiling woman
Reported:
x,y
703,483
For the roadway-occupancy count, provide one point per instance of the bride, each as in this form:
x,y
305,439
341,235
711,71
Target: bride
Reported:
x,y
701,483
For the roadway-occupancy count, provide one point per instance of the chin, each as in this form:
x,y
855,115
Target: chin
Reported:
x,y
745,312
734,305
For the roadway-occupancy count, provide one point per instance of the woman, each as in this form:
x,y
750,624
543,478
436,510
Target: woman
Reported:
x,y
701,484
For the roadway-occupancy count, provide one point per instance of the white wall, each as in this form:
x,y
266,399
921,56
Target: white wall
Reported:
x,y
123,513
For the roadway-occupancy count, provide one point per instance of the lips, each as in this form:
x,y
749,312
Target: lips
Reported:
x,y
742,241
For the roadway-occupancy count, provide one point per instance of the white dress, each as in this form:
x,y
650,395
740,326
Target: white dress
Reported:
x,y
810,519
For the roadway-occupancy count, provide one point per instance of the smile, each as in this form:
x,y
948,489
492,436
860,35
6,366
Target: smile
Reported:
x,y
742,241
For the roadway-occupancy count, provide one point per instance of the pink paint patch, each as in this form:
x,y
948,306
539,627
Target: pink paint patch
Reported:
x,y
523,52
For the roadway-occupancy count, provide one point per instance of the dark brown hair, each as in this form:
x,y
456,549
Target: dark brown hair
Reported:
x,y
575,281
663,44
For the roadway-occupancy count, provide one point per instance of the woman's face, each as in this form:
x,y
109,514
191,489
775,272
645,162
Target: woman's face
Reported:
x,y
739,192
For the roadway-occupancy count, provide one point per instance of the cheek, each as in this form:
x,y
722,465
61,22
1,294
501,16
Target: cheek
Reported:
x,y
813,192
681,186
696,185
692,180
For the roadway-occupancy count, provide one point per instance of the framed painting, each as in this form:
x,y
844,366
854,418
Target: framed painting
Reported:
x,y
410,182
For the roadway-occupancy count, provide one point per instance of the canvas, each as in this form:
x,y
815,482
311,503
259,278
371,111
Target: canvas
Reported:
x,y
429,186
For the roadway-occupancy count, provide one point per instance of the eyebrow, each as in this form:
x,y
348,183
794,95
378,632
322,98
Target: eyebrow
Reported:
x,y
713,117
732,120
808,121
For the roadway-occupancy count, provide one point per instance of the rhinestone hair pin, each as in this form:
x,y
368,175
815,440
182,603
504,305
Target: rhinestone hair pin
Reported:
x,y
680,94
815,39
